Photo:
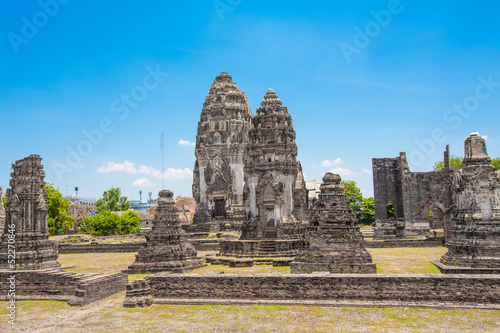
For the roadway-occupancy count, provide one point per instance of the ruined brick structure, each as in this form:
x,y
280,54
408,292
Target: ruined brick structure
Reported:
x,y
475,235
275,193
334,241
421,200
27,212
221,143
167,248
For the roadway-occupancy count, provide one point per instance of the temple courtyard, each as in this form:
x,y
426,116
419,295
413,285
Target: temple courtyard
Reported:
x,y
109,315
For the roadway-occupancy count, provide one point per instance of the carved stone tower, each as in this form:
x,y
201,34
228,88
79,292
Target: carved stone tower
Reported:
x,y
274,185
26,218
475,235
334,241
221,141
2,213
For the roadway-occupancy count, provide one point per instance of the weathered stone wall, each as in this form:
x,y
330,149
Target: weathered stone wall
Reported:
x,y
48,284
392,243
439,289
199,245
100,248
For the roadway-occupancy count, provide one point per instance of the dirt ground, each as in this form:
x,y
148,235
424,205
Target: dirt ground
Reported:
x,y
108,315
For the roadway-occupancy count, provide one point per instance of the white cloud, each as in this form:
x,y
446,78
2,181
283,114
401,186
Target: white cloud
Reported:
x,y
483,136
329,164
129,168
341,171
186,143
368,172
143,182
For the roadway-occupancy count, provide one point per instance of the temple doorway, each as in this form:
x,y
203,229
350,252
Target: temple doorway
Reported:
x,y
220,207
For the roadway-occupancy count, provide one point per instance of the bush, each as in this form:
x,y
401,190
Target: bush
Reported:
x,y
107,223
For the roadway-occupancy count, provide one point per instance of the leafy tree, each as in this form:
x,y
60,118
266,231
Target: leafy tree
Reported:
x,y
107,223
367,215
130,222
353,193
496,163
184,204
455,162
390,211
58,220
112,200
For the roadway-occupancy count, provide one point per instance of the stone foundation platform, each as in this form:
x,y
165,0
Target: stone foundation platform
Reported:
x,y
445,269
438,291
78,289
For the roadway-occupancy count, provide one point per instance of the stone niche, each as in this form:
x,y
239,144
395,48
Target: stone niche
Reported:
x,y
26,219
334,242
167,247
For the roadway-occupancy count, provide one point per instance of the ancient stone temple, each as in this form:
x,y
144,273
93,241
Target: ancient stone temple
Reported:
x,y
167,248
2,213
334,242
475,235
221,142
26,218
420,200
275,193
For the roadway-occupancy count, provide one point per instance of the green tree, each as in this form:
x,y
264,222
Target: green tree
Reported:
x,y
130,222
455,162
57,217
112,200
496,163
367,215
353,193
390,211
107,223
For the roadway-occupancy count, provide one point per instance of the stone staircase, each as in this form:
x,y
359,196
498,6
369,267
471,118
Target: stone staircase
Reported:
x,y
267,247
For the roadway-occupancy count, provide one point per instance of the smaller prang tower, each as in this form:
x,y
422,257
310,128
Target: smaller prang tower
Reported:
x,y
334,242
27,213
275,191
167,248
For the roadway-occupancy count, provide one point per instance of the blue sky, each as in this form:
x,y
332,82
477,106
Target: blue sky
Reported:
x,y
362,79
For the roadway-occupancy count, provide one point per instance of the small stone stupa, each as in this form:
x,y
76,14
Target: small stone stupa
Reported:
x,y
167,248
26,219
334,241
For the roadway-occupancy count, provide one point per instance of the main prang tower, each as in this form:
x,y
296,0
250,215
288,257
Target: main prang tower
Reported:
x,y
221,142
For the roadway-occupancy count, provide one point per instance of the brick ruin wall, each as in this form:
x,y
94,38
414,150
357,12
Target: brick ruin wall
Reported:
x,y
439,290
76,288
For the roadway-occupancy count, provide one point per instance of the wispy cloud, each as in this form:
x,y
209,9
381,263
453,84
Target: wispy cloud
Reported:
x,y
341,171
331,163
143,182
129,168
186,143
368,172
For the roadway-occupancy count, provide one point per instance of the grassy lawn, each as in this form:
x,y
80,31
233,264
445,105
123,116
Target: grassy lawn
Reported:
x,y
407,260
108,315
